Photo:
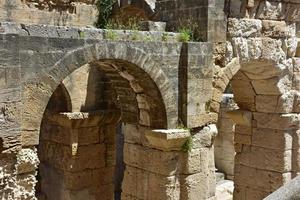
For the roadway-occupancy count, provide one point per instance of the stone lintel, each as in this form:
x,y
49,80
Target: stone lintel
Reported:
x,y
167,140
84,119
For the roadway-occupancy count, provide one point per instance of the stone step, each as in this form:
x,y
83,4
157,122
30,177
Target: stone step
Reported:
x,y
298,49
220,176
224,190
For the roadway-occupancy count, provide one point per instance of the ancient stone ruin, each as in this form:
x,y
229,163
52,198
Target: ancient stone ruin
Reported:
x,y
201,103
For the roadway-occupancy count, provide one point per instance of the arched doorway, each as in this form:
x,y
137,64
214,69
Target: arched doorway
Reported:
x,y
78,148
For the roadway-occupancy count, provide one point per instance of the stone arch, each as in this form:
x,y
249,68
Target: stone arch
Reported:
x,y
61,94
267,121
37,91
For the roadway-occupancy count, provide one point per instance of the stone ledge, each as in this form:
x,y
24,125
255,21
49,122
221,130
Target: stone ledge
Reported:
x,y
38,30
83,119
167,140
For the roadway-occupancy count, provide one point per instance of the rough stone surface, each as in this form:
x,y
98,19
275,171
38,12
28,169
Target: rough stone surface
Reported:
x,y
79,83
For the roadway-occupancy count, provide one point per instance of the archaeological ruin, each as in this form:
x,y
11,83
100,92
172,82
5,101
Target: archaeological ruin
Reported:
x,y
149,99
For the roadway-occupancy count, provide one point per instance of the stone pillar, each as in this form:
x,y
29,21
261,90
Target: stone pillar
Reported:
x,y
264,149
197,179
168,164
152,161
77,153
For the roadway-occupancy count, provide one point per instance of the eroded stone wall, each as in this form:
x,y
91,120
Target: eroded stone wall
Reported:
x,y
80,13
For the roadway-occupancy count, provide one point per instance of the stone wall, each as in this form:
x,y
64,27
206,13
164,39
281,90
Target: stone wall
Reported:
x,y
80,13
77,155
144,75
224,142
207,16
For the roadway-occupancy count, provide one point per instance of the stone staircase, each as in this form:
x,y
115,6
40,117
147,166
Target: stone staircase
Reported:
x,y
298,36
224,188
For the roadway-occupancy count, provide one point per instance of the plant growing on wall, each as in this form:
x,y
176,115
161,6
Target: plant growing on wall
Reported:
x,y
185,35
188,145
111,35
119,24
105,8
188,31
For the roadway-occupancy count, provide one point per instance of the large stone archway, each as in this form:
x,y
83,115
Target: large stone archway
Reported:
x,y
68,155
38,90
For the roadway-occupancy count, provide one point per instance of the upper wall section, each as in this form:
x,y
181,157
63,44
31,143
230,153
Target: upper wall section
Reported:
x,y
79,13
206,16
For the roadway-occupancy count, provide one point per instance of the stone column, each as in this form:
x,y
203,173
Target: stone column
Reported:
x,y
197,177
168,164
152,159
264,149
77,153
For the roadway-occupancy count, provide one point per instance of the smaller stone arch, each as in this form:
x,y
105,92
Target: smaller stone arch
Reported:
x,y
264,89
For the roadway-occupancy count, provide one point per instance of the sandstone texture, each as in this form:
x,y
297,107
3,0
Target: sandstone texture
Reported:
x,y
92,114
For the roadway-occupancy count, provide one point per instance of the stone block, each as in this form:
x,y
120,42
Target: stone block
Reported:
x,y
243,139
276,121
167,140
196,161
272,139
276,29
145,185
152,160
196,186
134,134
271,10
259,179
244,27
241,117
205,137
152,26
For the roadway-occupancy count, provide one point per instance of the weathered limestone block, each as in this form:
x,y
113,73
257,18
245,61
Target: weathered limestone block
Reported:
x,y
271,10
260,179
244,27
276,121
196,161
297,103
140,184
27,161
273,86
265,159
272,50
167,140
281,140
276,29
241,117
51,13
293,11
205,137
134,134
197,186
152,26
151,160
275,103
290,46
246,192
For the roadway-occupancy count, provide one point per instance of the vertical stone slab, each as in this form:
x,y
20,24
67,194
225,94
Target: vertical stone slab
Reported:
x,y
199,80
